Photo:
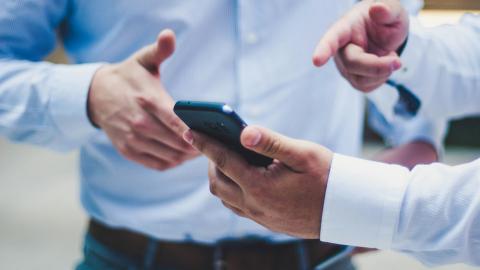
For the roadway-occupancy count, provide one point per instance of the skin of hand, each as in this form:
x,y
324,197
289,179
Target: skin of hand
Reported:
x,y
287,196
364,43
129,103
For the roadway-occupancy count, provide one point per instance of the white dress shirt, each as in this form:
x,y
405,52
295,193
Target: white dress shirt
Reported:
x,y
433,211
254,55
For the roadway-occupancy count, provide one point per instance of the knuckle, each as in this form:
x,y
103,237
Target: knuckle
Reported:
x,y
370,88
131,139
124,149
273,146
212,172
221,159
160,166
140,123
367,88
363,83
347,60
172,121
364,89
146,102
213,187
177,158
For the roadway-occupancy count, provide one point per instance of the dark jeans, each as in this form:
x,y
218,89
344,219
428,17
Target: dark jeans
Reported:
x,y
100,257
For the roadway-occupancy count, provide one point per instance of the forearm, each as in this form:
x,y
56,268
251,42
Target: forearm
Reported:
x,y
40,103
45,104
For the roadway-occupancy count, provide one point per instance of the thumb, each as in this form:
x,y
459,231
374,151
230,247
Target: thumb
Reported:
x,y
390,26
386,12
289,151
152,56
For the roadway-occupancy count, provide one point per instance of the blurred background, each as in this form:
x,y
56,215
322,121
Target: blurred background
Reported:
x,y
42,223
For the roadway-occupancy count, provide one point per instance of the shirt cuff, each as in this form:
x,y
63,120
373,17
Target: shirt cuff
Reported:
x,y
70,85
363,202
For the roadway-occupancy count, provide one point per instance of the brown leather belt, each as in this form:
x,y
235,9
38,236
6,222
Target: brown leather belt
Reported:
x,y
230,255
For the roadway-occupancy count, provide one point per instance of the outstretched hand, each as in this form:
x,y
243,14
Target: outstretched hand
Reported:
x,y
130,104
364,43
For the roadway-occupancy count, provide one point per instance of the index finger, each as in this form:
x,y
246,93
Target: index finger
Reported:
x,y
163,111
335,38
227,161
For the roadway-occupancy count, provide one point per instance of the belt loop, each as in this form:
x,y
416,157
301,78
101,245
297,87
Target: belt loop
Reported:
x,y
218,259
150,254
303,260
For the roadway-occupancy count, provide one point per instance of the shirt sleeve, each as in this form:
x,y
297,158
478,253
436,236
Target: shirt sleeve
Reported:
x,y
397,130
362,202
40,103
431,212
441,65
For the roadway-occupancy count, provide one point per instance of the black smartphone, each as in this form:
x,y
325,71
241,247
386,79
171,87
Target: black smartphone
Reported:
x,y
219,121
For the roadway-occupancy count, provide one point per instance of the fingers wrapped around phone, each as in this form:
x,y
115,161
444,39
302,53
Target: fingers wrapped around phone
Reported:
x,y
227,161
223,187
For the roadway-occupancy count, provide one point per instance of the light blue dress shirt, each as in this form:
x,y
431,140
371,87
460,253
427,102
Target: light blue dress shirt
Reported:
x,y
254,55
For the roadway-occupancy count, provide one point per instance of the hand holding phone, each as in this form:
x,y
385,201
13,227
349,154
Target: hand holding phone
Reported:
x,y
219,121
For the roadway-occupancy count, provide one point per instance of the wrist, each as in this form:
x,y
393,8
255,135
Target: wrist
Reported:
x,y
93,92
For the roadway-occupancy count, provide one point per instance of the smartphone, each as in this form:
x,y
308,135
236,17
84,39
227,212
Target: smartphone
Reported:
x,y
219,121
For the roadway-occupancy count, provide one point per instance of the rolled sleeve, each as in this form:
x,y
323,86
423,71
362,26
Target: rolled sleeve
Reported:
x,y
363,202
70,85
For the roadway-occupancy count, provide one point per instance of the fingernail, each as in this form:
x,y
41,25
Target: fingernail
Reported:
x,y
188,136
253,137
396,65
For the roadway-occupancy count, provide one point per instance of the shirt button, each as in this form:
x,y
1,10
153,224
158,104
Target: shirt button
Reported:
x,y
251,38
